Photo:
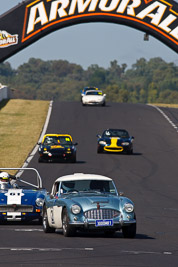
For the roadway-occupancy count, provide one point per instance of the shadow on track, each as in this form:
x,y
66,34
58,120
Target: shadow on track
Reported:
x,y
91,234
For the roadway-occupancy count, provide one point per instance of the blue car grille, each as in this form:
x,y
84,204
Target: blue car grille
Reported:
x,y
101,214
19,208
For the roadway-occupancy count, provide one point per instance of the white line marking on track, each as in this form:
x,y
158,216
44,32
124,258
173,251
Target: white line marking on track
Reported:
x,y
166,117
46,249
28,230
147,252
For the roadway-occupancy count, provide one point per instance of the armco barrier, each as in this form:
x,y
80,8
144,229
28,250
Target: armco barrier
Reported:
x,y
4,92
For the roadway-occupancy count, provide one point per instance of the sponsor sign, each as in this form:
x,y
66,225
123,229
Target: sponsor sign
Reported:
x,y
157,15
7,39
36,18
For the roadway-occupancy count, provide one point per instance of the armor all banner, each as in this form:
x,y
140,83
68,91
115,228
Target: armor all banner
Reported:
x,y
32,19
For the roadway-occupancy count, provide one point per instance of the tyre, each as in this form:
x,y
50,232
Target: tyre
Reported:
x,y
46,227
99,150
66,227
130,152
129,231
104,104
73,159
40,221
40,160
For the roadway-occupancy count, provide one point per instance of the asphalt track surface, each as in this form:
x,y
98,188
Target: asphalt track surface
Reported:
x,y
149,177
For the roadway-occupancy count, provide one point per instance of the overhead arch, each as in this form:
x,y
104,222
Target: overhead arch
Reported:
x,y
33,19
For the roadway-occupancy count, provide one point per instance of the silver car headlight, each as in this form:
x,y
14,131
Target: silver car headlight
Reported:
x,y
75,209
39,202
102,142
128,207
125,143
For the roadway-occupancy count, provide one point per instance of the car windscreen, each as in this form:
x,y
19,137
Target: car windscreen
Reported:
x,y
103,186
116,133
89,88
94,93
57,140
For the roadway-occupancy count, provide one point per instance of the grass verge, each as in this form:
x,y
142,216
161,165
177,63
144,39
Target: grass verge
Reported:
x,y
21,122
165,105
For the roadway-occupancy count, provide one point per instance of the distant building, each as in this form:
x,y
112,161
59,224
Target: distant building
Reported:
x,y
4,92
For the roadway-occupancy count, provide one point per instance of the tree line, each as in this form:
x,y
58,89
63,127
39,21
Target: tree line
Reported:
x,y
152,81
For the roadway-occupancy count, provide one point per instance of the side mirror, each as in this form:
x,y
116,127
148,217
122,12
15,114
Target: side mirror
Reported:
x,y
98,135
51,196
39,143
121,194
75,144
104,95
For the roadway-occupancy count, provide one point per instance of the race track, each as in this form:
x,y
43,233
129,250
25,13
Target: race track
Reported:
x,y
149,177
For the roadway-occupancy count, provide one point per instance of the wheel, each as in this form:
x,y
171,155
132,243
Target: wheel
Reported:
x,y
66,227
46,227
40,160
99,150
130,152
40,220
104,104
73,159
129,231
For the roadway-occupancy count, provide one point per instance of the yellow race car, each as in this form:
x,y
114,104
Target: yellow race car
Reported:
x,y
57,147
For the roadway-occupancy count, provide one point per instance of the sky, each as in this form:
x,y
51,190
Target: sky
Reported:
x,y
92,43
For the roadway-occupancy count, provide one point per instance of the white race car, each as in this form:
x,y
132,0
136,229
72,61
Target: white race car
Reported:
x,y
94,97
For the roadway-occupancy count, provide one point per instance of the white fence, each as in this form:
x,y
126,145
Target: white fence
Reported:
x,y
4,92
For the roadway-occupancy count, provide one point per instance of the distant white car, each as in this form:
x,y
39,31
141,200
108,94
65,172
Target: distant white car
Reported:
x,y
94,97
88,88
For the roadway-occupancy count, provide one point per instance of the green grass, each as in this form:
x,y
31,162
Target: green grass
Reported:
x,y
166,105
21,123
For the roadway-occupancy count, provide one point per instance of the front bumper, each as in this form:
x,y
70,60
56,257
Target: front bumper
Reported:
x,y
57,156
91,225
115,149
93,103
19,216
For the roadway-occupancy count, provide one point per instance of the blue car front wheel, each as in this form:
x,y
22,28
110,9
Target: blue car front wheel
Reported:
x,y
46,227
66,227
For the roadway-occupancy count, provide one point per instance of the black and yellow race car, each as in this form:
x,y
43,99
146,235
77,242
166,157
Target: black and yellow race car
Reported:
x,y
116,141
56,147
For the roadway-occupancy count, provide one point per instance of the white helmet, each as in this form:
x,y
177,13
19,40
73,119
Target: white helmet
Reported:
x,y
4,180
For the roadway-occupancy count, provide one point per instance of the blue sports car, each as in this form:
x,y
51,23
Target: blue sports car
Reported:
x,y
116,141
88,202
21,199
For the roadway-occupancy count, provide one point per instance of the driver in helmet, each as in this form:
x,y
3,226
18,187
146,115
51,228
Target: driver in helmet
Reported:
x,y
7,181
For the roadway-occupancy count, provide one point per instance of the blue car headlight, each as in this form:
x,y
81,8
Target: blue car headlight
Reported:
x,y
128,207
75,209
102,142
125,143
39,202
